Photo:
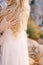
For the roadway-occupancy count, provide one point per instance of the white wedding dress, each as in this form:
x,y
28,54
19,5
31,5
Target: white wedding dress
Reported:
x,y
14,50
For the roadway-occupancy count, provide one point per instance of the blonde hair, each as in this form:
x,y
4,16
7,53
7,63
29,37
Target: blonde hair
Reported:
x,y
18,11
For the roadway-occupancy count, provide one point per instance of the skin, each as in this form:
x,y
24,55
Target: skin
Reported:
x,y
3,25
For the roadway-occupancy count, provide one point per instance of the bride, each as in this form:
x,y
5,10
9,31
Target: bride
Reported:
x,y
13,38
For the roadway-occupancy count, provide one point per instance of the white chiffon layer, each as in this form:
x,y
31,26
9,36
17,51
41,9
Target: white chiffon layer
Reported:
x,y
14,50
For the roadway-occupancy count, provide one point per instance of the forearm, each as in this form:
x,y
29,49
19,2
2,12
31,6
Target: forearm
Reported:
x,y
3,27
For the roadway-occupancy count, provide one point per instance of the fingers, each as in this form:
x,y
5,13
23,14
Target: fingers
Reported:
x,y
12,22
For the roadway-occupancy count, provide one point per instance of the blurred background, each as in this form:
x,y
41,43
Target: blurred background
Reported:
x,y
35,22
35,32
